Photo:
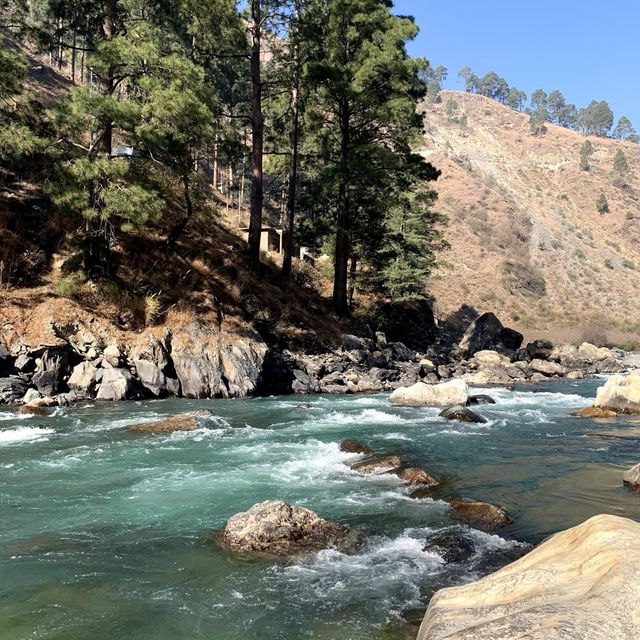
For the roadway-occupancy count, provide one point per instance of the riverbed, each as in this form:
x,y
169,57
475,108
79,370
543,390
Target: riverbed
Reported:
x,y
107,534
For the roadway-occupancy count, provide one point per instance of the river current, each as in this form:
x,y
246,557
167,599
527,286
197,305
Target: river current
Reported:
x,y
105,534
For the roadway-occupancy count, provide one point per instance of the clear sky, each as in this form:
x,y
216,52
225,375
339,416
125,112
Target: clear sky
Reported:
x,y
588,49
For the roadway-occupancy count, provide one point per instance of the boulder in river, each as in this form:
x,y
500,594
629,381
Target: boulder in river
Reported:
x,y
451,547
445,394
277,528
182,422
580,584
480,514
353,446
414,476
462,414
382,464
631,477
620,394
546,368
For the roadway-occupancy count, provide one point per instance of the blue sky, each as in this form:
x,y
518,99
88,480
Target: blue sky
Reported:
x,y
589,50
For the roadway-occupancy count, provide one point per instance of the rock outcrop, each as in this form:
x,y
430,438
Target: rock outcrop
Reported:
x,y
488,333
581,584
620,394
446,394
414,476
353,446
280,529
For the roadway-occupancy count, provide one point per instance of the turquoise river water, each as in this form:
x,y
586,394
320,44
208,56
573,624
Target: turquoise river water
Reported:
x,y
105,534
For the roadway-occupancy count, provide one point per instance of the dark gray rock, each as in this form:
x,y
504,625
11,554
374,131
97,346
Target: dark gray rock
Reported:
x,y
25,363
462,414
541,349
353,446
52,368
480,399
353,343
451,547
12,389
488,333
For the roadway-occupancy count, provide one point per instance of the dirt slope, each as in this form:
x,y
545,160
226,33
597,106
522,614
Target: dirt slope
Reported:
x,y
527,239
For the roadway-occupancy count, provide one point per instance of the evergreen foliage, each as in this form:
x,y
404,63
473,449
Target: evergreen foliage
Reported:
x,y
602,205
175,102
585,153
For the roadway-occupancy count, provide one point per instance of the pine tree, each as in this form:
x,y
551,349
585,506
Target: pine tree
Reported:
x,y
602,204
585,153
361,122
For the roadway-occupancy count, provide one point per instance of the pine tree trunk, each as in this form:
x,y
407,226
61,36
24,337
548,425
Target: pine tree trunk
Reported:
x,y
257,139
343,231
293,150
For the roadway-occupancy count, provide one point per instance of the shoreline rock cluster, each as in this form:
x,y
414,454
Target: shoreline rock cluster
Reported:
x,y
201,360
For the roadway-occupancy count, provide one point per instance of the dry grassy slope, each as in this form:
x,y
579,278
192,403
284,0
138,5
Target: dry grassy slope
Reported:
x,y
527,240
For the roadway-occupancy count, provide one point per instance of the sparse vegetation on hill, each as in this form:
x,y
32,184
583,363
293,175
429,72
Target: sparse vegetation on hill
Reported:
x,y
526,238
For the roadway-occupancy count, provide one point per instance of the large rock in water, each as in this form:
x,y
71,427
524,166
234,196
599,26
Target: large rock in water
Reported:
x,y
446,394
581,584
620,394
276,528
182,422
488,333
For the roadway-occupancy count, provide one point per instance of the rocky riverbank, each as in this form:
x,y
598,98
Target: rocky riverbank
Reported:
x,y
45,362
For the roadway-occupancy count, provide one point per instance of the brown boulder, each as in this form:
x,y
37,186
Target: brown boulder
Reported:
x,y
414,476
353,446
480,514
384,464
276,528
182,422
594,412
33,410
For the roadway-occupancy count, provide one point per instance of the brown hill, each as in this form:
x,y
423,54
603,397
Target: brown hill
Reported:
x,y
527,239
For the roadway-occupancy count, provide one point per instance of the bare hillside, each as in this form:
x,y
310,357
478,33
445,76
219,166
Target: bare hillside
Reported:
x,y
527,239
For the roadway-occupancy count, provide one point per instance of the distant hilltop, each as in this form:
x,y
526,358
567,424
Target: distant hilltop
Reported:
x,y
544,229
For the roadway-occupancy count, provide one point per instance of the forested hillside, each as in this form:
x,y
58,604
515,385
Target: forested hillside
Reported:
x,y
179,119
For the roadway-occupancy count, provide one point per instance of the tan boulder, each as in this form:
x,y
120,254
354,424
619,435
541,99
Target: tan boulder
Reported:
x,y
276,528
414,476
383,464
581,584
594,412
488,357
445,394
620,394
631,477
182,422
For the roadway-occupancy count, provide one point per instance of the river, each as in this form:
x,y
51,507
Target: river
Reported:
x,y
105,534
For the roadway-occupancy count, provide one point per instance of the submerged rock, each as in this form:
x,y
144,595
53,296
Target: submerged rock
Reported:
x,y
353,446
446,394
277,528
462,414
594,412
480,399
581,584
451,547
631,477
480,514
383,464
182,422
620,394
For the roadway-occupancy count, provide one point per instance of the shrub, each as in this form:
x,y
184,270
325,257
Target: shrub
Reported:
x,y
608,264
68,287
